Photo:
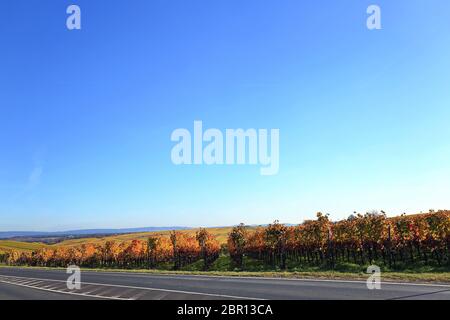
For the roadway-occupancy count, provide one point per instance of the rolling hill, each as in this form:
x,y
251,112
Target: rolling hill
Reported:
x,y
5,245
83,232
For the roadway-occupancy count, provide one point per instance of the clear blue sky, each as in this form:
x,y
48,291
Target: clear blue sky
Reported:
x,y
86,116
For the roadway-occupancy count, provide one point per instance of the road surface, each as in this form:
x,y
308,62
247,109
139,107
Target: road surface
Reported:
x,y
37,284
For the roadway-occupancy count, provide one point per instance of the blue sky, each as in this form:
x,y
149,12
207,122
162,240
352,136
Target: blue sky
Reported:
x,y
86,116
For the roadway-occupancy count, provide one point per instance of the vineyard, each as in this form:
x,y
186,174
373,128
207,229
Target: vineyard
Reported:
x,y
361,239
179,249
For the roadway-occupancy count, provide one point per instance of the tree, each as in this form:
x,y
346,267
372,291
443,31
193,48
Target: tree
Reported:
x,y
152,245
237,240
202,236
276,239
174,240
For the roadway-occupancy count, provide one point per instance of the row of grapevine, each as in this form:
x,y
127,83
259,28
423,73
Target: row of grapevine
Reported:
x,y
180,249
360,239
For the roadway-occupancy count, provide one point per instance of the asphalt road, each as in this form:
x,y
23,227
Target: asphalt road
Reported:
x,y
36,284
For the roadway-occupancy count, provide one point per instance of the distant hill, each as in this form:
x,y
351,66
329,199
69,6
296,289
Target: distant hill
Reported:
x,y
83,232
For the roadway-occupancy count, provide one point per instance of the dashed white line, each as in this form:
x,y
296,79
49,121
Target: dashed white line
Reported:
x,y
58,291
141,288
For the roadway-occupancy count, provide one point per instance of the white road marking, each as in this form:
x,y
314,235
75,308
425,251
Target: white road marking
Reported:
x,y
58,291
57,287
143,288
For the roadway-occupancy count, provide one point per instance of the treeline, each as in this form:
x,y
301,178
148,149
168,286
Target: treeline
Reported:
x,y
180,249
360,239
